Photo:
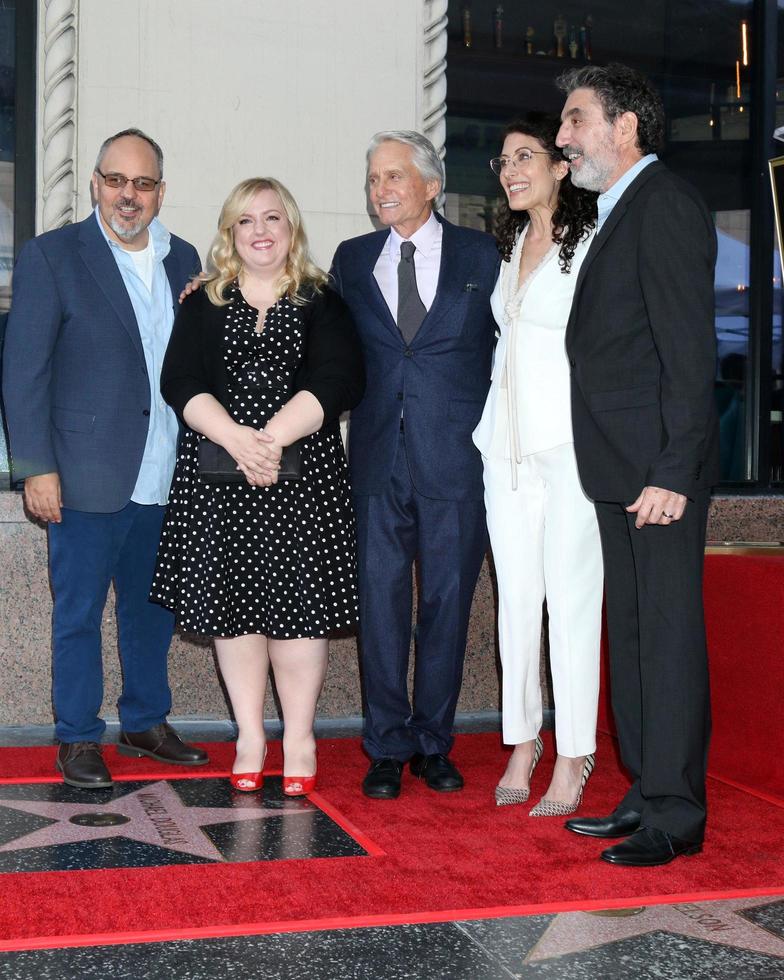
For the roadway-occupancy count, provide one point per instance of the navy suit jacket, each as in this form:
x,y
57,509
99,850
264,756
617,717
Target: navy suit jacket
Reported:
x,y
439,382
75,385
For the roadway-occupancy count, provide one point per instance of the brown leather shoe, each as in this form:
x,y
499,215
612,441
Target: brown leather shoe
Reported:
x,y
82,765
163,744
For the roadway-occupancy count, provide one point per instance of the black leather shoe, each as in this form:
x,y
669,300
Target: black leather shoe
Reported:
x,y
382,781
437,771
82,765
620,823
649,847
163,744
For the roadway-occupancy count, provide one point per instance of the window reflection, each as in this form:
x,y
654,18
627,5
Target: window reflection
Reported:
x,y
699,57
7,150
777,395
732,336
7,147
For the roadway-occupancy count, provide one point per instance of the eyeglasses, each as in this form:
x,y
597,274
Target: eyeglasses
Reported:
x,y
499,164
120,180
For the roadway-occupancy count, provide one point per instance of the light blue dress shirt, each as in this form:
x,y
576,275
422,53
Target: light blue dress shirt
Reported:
x,y
154,316
607,201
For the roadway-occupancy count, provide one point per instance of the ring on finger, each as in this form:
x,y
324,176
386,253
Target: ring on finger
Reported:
x,y
668,516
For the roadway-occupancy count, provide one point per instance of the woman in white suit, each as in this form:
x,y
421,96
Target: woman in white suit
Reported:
x,y
543,528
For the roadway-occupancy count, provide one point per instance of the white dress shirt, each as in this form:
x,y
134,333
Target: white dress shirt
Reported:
x,y
427,262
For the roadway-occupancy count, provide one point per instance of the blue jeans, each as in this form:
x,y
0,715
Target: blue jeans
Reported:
x,y
87,551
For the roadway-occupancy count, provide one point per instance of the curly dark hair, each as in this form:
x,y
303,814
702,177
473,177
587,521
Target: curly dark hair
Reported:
x,y
575,211
622,89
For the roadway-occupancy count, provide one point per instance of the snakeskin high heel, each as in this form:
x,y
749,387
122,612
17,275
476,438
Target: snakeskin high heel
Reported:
x,y
554,808
508,795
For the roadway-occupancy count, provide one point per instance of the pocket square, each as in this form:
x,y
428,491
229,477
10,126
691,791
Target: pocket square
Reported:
x,y
470,287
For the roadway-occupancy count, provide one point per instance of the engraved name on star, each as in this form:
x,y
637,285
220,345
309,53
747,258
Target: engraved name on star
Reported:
x,y
717,922
155,815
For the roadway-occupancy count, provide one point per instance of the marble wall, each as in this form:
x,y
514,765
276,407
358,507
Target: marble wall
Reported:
x,y
25,611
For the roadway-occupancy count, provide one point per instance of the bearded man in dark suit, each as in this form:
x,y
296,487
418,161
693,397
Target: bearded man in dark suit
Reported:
x,y
641,345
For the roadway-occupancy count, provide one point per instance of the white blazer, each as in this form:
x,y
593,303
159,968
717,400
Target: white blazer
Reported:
x,y
530,376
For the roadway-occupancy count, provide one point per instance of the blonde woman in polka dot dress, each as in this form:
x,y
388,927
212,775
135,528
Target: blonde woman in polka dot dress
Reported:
x,y
263,355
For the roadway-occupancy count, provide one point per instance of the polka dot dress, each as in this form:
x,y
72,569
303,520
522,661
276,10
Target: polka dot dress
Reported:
x,y
236,559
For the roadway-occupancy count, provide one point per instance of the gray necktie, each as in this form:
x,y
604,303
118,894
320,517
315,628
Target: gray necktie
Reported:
x,y
410,308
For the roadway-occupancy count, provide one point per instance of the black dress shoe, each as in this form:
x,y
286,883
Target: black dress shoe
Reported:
x,y
163,744
382,781
437,771
82,765
649,847
620,823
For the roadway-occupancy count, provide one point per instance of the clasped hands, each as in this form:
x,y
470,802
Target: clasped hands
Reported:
x,y
657,506
257,454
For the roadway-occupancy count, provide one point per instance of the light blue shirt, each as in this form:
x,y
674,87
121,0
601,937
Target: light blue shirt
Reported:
x,y
607,201
154,316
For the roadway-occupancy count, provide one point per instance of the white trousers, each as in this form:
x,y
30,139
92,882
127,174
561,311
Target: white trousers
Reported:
x,y
545,541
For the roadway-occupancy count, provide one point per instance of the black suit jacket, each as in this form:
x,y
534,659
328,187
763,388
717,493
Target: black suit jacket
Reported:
x,y
641,345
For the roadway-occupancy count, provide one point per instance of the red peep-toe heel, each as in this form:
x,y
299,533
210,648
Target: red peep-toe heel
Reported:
x,y
247,782
299,785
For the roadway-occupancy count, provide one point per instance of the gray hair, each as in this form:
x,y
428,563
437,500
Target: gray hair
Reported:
x,y
139,135
424,155
622,89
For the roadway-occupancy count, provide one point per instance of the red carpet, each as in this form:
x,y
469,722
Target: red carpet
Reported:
x,y
744,612
438,857
744,619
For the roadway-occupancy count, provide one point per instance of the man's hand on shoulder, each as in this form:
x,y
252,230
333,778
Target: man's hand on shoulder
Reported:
x,y
42,497
657,506
190,287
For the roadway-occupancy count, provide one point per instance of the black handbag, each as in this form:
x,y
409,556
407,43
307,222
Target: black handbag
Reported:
x,y
217,465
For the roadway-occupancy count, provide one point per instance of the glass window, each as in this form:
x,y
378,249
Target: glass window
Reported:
x,y
732,336
503,61
17,173
777,394
7,114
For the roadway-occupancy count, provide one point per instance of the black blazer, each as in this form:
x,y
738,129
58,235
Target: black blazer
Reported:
x,y
332,368
642,346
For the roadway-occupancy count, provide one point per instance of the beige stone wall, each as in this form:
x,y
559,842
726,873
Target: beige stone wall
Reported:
x,y
25,641
288,88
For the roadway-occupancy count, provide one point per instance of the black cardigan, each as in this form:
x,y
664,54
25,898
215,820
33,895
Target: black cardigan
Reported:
x,y
332,368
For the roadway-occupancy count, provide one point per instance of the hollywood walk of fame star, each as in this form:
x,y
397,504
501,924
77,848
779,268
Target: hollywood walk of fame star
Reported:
x,y
715,922
154,814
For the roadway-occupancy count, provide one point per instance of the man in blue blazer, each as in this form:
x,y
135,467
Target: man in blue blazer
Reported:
x,y
93,306
419,291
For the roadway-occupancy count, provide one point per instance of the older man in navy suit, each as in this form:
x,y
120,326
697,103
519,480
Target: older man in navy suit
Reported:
x,y
419,291
93,306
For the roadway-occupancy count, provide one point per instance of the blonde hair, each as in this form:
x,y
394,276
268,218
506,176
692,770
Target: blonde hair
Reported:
x,y
224,264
